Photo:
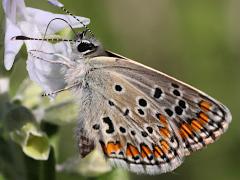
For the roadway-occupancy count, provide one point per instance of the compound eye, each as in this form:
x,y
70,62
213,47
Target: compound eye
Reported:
x,y
85,46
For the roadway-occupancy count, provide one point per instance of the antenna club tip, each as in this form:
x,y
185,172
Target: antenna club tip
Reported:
x,y
19,38
13,38
55,3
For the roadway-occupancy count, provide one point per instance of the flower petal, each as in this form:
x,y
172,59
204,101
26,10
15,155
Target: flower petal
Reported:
x,y
49,76
55,3
33,23
11,47
42,19
14,9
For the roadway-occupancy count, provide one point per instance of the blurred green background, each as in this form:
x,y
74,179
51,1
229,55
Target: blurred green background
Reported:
x,y
195,41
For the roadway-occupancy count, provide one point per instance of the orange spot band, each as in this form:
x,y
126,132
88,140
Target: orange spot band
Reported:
x,y
145,151
113,147
204,116
164,132
165,146
163,120
157,151
186,128
204,105
195,125
132,151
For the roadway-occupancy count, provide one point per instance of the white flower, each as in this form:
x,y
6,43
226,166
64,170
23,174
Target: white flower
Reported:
x,y
31,22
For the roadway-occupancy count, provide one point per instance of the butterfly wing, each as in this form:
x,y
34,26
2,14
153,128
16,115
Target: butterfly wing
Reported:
x,y
85,144
142,143
148,121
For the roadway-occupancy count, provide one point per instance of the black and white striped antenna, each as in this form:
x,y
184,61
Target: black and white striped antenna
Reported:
x,y
61,6
25,38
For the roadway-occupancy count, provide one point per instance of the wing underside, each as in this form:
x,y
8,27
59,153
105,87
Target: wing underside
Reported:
x,y
147,121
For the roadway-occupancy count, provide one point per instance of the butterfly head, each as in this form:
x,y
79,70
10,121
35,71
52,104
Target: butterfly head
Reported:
x,y
88,45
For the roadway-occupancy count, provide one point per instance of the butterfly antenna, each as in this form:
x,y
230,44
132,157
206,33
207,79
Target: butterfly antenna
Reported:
x,y
61,6
45,33
84,25
54,19
25,38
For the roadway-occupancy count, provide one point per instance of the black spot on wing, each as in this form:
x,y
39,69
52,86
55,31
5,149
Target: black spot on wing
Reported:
x,y
150,129
158,92
178,110
141,112
96,126
182,104
126,112
110,103
176,92
175,85
108,121
118,88
122,129
169,112
142,102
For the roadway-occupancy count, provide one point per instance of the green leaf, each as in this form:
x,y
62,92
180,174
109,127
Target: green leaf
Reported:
x,y
116,174
47,168
16,116
92,165
11,160
34,142
30,94
61,111
22,128
14,164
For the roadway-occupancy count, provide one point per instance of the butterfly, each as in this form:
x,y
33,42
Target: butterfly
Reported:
x,y
143,120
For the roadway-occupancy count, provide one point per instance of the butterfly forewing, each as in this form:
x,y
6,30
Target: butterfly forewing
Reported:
x,y
148,121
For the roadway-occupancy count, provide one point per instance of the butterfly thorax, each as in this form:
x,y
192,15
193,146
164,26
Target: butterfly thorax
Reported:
x,y
85,48
76,72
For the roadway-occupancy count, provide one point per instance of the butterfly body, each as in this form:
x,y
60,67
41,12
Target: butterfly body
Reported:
x,y
141,119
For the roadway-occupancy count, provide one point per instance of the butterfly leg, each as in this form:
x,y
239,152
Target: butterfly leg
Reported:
x,y
65,62
61,90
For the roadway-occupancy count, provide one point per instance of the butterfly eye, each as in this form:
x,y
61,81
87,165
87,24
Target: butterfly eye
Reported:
x,y
85,46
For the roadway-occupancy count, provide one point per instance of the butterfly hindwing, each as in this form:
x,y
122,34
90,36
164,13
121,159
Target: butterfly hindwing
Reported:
x,y
85,144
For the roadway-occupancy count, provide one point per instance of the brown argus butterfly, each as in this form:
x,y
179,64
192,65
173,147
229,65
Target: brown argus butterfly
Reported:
x,y
141,119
